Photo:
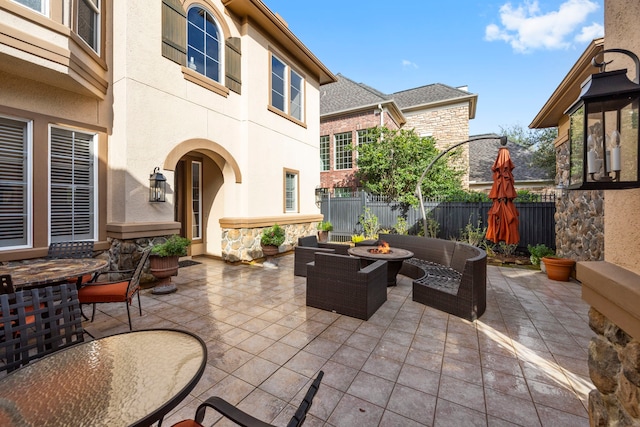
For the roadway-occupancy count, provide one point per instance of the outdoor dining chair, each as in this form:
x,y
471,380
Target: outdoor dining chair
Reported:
x,y
76,249
241,418
36,322
118,291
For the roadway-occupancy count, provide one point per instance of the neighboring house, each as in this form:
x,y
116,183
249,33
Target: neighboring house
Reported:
x,y
482,155
348,109
94,95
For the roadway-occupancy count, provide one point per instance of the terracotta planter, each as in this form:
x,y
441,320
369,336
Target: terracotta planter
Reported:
x,y
270,250
558,268
163,267
323,236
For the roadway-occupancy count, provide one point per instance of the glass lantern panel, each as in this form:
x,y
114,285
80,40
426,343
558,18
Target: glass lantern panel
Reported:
x,y
595,142
576,148
629,142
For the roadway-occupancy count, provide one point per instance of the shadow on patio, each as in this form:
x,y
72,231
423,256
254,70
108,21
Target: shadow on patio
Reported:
x,y
523,363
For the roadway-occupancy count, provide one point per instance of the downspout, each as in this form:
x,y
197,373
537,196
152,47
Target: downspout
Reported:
x,y
381,115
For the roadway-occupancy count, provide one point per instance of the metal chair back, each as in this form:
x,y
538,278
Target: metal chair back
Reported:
x,y
36,322
6,284
78,249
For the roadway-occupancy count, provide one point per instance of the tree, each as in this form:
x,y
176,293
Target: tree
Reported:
x,y
540,141
392,163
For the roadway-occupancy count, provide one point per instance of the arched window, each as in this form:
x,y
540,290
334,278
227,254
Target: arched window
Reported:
x,y
203,43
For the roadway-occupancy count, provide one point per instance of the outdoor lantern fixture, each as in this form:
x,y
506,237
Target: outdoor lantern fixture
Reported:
x,y
157,186
604,132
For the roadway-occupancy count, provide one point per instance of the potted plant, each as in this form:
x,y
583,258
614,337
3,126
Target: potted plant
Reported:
x,y
163,261
324,227
538,252
271,239
558,268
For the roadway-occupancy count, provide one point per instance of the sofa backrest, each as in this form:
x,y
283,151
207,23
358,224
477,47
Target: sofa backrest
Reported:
x,y
462,253
336,265
425,248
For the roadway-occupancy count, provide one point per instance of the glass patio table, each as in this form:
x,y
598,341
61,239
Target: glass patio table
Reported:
x,y
129,379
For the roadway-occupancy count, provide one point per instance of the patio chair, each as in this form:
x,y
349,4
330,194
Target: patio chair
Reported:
x,y
241,418
77,249
36,322
308,247
339,283
118,291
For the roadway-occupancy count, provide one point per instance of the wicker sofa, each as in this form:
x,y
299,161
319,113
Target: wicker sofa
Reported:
x,y
307,247
339,283
447,275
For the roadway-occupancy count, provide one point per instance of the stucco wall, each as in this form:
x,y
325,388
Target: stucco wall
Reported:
x,y
622,222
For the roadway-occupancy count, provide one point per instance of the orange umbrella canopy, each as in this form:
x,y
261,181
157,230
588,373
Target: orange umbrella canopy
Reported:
x,y
503,215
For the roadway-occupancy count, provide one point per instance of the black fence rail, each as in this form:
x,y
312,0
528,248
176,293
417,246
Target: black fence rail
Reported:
x,y
537,223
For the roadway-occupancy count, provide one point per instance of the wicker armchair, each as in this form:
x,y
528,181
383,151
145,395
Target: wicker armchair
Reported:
x,y
338,283
308,247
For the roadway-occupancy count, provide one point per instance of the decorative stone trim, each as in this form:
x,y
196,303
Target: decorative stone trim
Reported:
x,y
243,244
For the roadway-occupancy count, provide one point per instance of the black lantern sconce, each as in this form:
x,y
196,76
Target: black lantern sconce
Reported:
x,y
157,186
604,132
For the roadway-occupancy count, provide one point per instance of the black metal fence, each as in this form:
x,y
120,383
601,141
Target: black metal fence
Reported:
x,y
536,218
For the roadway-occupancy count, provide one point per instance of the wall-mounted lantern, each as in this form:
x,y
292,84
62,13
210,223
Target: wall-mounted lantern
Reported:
x,y
157,186
604,131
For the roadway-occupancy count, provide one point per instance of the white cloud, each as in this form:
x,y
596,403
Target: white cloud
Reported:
x,y
526,28
589,33
408,64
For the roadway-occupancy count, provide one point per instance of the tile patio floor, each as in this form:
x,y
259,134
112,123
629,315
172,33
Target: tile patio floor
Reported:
x,y
523,363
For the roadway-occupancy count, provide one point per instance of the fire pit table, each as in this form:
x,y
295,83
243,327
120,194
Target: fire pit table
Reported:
x,y
393,256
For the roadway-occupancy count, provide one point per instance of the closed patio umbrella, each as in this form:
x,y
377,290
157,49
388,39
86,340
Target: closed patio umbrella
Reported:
x,y
503,215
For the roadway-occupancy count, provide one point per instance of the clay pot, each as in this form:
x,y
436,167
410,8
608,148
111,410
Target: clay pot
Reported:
x,y
558,268
269,250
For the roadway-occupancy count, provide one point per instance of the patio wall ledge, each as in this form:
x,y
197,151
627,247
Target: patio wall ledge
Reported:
x,y
613,291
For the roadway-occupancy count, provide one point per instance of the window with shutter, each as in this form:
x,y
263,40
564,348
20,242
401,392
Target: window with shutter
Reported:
x,y
73,178
15,191
174,32
233,56
203,43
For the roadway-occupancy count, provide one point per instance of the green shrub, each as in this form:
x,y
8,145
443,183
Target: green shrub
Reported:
x,y
473,235
356,238
401,226
173,246
272,236
538,252
325,226
369,224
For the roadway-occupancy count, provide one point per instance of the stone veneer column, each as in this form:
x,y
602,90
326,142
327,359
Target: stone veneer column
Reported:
x,y
614,367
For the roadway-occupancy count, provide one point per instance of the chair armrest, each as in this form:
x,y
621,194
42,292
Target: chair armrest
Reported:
x,y
229,411
373,266
123,275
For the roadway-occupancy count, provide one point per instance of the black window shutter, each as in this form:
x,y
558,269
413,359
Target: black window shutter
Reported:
x,y
233,56
174,32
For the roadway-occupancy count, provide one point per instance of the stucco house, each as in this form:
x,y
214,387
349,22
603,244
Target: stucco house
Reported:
x,y
219,95
610,280
348,109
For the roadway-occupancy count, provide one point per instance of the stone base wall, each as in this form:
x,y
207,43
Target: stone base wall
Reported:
x,y
125,254
614,367
243,244
579,217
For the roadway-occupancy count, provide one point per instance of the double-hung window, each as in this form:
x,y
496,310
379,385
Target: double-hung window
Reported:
x,y
41,6
203,43
287,89
88,14
15,183
290,191
343,151
72,213
324,153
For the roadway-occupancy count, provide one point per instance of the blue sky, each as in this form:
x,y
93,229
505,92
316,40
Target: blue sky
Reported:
x,y
512,54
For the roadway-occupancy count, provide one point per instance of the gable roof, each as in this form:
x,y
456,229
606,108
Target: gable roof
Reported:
x,y
346,95
483,153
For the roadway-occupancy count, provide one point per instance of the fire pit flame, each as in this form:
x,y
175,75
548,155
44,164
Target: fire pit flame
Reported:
x,y
383,248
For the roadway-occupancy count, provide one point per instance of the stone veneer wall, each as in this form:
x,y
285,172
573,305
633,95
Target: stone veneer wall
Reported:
x,y
579,217
125,254
243,244
614,368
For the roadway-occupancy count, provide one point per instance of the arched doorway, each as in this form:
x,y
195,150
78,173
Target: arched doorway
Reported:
x,y
201,168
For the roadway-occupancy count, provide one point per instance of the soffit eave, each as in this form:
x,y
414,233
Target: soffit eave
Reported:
x,y
262,16
569,88
391,106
